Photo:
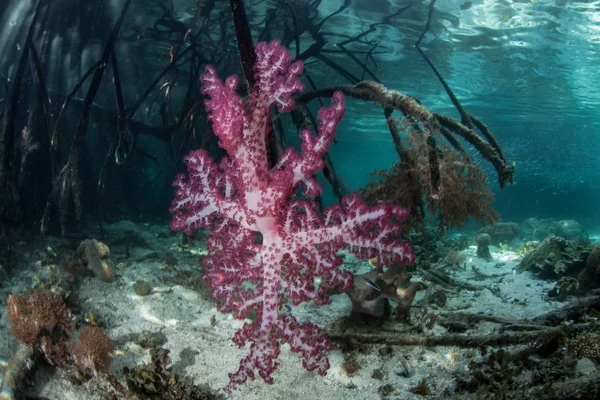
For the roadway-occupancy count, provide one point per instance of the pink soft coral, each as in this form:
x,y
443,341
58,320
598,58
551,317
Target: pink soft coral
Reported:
x,y
266,247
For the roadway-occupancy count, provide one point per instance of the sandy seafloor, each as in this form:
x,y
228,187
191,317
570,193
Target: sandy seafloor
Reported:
x,y
199,337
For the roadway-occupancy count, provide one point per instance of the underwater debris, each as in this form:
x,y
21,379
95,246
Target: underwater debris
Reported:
x,y
49,257
551,369
435,295
497,372
386,351
425,320
91,319
170,260
150,340
156,380
378,373
454,259
440,277
544,360
404,370
385,390
421,388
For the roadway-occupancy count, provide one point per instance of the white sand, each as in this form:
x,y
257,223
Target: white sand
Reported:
x,y
205,354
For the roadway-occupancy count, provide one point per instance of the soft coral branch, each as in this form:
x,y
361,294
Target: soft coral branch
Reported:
x,y
267,248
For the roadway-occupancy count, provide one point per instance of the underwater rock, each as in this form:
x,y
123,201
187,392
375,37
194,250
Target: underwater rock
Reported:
x,y
585,366
142,288
589,277
554,257
91,259
483,246
371,292
536,229
502,232
571,230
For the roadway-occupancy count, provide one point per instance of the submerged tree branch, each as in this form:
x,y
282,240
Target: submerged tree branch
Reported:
x,y
66,187
410,107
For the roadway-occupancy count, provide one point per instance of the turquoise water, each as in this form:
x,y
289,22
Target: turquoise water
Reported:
x,y
528,69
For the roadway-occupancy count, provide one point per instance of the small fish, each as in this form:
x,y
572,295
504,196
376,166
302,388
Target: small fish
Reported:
x,y
372,284
288,307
